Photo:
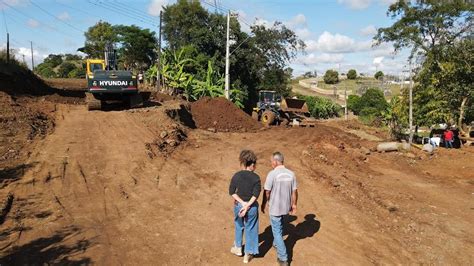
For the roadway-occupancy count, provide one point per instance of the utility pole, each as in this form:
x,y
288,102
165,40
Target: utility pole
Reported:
x,y
227,48
8,48
411,107
345,102
24,62
158,72
32,60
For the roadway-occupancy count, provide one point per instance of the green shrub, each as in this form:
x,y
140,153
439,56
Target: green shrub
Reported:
x,y
321,107
331,77
353,103
45,71
378,75
77,73
65,68
352,74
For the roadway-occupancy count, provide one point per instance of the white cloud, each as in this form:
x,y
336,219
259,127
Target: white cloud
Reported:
x,y
368,31
298,20
156,6
378,60
33,23
355,4
312,58
337,43
303,33
363,4
64,16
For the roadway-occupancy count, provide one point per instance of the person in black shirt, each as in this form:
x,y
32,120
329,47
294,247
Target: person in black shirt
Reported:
x,y
245,188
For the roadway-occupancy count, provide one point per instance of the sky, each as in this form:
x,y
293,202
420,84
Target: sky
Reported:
x,y
338,33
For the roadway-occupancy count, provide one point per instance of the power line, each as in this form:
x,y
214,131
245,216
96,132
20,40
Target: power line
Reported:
x,y
62,21
29,17
99,4
5,21
135,14
138,12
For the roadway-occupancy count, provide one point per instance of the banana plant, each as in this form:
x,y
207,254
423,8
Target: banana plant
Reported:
x,y
212,86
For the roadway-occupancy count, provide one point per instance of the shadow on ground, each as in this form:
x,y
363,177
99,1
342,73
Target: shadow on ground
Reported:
x,y
306,229
49,250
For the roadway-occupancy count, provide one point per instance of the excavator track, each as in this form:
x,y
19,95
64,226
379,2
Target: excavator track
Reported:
x,y
92,102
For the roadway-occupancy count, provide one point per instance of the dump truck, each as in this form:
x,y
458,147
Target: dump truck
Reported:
x,y
105,83
272,109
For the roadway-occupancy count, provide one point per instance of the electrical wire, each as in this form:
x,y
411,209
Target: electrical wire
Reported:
x,y
133,10
29,17
97,3
62,21
5,21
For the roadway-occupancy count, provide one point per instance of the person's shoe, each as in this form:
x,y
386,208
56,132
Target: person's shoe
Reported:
x,y
236,251
247,258
282,263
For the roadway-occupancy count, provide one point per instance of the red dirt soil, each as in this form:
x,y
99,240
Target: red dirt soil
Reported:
x,y
222,115
90,192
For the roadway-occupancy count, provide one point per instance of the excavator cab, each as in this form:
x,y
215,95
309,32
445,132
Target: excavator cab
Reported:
x,y
93,65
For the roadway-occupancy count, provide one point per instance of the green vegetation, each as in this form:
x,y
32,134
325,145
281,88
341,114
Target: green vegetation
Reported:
x,y
61,66
378,75
352,74
371,106
437,32
258,61
331,77
136,47
320,107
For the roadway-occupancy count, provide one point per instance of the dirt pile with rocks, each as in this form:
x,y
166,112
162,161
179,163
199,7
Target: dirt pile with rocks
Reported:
x,y
219,114
21,121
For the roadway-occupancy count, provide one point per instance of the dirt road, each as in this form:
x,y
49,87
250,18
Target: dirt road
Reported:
x,y
93,193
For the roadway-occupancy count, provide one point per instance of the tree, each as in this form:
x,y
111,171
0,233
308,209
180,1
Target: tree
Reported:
x,y
331,77
97,37
423,26
45,71
353,103
77,73
378,75
257,61
352,74
53,60
439,33
136,46
65,68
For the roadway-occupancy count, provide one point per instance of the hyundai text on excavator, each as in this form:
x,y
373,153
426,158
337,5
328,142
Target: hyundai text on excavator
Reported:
x,y
106,83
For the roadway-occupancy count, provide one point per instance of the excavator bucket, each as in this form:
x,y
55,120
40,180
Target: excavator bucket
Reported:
x,y
294,105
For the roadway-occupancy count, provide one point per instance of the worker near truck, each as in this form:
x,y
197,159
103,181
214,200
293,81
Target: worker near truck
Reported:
x,y
245,188
282,194
448,138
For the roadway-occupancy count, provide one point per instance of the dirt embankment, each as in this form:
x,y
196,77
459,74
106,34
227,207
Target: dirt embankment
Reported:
x,y
221,115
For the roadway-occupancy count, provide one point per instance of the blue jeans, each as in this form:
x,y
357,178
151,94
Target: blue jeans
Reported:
x,y
449,144
249,224
277,223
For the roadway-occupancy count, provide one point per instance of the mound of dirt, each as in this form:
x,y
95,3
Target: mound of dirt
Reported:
x,y
18,81
221,115
21,121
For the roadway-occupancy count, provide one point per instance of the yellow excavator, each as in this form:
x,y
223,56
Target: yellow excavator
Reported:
x,y
94,64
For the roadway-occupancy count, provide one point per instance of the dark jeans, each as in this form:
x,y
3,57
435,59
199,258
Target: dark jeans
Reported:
x,y
449,144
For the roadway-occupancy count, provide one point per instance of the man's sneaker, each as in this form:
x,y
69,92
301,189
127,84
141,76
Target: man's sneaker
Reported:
x,y
247,258
282,263
236,251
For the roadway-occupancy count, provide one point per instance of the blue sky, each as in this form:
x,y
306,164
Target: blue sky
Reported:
x,y
337,33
